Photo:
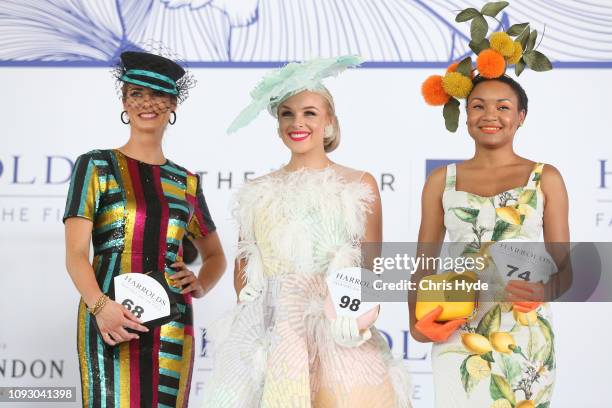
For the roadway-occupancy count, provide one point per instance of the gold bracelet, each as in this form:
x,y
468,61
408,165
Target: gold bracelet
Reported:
x,y
95,309
99,307
90,309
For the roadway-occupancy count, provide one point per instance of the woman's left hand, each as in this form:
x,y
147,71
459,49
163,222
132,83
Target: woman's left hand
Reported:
x,y
187,280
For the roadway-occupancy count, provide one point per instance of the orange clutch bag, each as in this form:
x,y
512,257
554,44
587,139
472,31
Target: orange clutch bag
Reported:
x,y
441,290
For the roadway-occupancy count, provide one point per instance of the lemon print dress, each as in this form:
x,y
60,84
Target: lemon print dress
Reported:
x,y
278,351
501,358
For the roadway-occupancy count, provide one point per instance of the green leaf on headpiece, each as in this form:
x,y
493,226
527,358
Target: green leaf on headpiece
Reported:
x,y
491,9
467,15
479,46
451,115
519,67
523,37
479,28
537,61
532,39
465,67
517,29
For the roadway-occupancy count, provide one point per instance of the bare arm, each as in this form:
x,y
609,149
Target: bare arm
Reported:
x,y
373,227
556,206
78,237
239,277
213,261
213,267
556,230
431,236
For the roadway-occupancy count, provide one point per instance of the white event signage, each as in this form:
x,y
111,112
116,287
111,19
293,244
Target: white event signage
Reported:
x,y
521,260
346,288
142,295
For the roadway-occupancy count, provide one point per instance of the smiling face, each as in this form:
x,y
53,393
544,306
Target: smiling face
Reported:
x,y
148,109
302,119
493,113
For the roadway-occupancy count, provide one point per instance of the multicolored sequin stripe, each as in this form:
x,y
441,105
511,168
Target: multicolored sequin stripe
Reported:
x,y
140,214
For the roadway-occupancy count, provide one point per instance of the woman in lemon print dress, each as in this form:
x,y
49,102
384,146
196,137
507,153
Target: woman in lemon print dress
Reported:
x,y
504,356
488,362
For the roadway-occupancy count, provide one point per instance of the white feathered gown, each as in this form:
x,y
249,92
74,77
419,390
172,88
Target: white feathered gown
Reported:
x,y
277,351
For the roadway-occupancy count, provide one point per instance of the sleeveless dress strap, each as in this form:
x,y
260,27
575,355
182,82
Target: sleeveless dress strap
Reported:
x,y
451,177
535,177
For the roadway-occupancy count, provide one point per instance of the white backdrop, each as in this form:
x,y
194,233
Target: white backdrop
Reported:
x,y
386,129
58,102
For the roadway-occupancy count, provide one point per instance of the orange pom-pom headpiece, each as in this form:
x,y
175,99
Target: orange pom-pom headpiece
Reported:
x,y
453,68
494,55
433,92
491,64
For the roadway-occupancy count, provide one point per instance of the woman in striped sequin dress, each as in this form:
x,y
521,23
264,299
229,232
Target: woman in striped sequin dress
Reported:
x,y
136,206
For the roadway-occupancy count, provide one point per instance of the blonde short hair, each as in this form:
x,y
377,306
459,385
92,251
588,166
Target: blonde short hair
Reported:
x,y
330,143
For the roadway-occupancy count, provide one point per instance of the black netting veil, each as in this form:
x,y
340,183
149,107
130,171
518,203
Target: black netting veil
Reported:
x,y
155,67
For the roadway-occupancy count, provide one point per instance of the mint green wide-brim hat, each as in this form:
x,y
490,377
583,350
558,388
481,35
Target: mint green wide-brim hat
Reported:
x,y
289,80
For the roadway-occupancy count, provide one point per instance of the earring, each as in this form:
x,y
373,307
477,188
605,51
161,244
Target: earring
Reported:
x,y
328,131
126,122
172,121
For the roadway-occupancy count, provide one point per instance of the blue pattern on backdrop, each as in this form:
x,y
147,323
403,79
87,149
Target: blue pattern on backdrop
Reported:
x,y
266,33
432,164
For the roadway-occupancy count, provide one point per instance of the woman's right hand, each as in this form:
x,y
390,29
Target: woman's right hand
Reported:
x,y
437,332
525,296
112,321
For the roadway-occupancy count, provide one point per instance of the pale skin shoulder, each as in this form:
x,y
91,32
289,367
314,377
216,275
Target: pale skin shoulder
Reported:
x,y
373,225
373,231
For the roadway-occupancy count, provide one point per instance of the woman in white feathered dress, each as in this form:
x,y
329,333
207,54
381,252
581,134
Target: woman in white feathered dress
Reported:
x,y
278,348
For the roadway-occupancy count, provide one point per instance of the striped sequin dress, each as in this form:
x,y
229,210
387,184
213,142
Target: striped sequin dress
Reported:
x,y
140,214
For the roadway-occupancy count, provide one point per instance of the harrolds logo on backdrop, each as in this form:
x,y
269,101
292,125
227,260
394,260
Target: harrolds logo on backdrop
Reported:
x,y
232,179
25,170
54,170
33,188
31,368
603,215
